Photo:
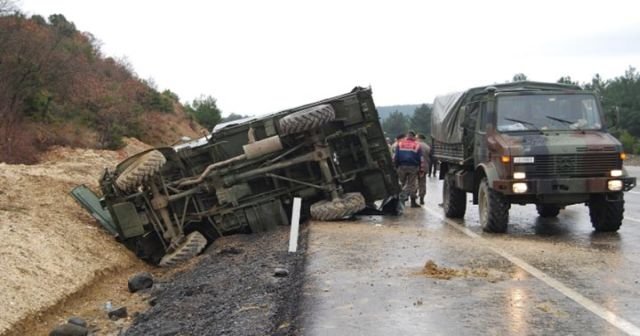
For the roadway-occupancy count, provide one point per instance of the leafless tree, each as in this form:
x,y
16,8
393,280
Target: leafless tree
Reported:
x,y
8,7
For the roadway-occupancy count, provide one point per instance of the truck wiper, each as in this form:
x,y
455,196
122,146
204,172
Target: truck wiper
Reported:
x,y
533,126
569,122
561,120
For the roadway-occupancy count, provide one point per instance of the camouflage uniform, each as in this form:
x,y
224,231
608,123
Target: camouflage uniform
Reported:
x,y
409,160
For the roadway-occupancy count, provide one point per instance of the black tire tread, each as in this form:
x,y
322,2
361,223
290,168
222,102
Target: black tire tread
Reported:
x,y
140,170
498,218
606,216
348,205
456,205
307,119
194,243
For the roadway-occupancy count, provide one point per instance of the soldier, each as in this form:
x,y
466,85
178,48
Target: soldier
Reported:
x,y
409,161
394,146
433,164
422,175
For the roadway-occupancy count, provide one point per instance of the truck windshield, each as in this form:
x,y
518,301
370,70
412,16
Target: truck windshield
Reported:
x,y
547,112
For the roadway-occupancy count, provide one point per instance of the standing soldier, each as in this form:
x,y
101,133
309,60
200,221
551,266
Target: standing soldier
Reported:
x,y
409,160
433,164
394,146
422,175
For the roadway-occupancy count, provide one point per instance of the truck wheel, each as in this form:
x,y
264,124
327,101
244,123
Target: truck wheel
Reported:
x,y
493,208
547,210
193,244
140,170
454,200
307,119
606,216
346,206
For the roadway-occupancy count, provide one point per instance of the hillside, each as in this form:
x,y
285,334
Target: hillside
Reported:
x,y
58,88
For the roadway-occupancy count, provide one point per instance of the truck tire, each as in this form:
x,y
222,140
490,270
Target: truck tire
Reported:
x,y
493,208
454,200
145,166
606,216
307,119
346,206
193,244
547,210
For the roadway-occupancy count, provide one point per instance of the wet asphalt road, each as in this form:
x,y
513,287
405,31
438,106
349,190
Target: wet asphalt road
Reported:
x,y
544,277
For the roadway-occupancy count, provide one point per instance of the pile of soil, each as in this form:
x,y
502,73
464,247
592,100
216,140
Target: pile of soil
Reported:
x,y
432,270
51,248
231,290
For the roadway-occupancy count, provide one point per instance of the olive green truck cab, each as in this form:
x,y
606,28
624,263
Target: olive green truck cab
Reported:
x,y
167,203
528,143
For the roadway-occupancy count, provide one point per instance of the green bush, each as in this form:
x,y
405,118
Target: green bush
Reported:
x,y
628,141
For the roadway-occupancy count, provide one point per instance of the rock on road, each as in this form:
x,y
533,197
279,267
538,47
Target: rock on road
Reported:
x,y
546,276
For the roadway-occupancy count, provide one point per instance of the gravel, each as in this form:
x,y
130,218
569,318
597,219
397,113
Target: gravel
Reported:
x,y
232,290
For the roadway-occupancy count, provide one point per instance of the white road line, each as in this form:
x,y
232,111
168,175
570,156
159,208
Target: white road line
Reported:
x,y
595,308
632,219
634,192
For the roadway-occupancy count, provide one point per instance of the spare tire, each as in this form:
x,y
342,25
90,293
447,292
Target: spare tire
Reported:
x,y
348,205
307,119
139,171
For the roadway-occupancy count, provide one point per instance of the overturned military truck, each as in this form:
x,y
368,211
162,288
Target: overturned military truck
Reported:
x,y
166,204
528,143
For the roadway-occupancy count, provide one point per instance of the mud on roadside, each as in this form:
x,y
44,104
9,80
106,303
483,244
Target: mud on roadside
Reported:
x,y
231,290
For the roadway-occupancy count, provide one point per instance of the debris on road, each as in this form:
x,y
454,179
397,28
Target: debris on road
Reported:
x,y
69,329
77,321
281,272
118,313
140,281
228,293
432,270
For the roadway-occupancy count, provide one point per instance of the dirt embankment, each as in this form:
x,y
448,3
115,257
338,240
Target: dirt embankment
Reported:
x,y
51,248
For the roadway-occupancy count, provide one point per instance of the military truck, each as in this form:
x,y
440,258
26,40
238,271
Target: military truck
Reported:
x,y
167,204
528,143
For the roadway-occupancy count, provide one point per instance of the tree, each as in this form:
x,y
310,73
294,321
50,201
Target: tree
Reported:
x,y
205,110
233,117
566,80
421,119
519,77
396,124
7,7
622,97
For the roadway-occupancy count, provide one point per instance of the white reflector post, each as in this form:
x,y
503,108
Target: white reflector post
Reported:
x,y
295,224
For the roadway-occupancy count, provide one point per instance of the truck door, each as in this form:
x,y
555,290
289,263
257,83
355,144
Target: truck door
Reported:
x,y
481,150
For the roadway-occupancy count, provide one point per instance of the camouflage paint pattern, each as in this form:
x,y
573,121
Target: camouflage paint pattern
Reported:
x,y
568,166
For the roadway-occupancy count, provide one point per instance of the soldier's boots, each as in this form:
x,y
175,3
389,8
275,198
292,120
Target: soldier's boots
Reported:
x,y
422,200
414,204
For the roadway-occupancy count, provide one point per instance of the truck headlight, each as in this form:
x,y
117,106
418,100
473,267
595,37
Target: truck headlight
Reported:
x,y
616,173
519,175
614,185
519,188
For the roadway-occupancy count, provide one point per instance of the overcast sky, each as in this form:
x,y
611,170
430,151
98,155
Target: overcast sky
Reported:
x,y
258,56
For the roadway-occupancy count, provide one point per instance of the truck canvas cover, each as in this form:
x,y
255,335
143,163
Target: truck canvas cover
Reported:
x,y
445,118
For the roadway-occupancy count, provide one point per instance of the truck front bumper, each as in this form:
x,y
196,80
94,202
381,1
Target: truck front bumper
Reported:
x,y
588,185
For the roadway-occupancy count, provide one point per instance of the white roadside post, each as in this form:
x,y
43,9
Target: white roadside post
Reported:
x,y
295,224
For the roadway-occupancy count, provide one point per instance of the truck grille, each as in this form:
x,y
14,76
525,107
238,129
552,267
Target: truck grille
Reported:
x,y
572,165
